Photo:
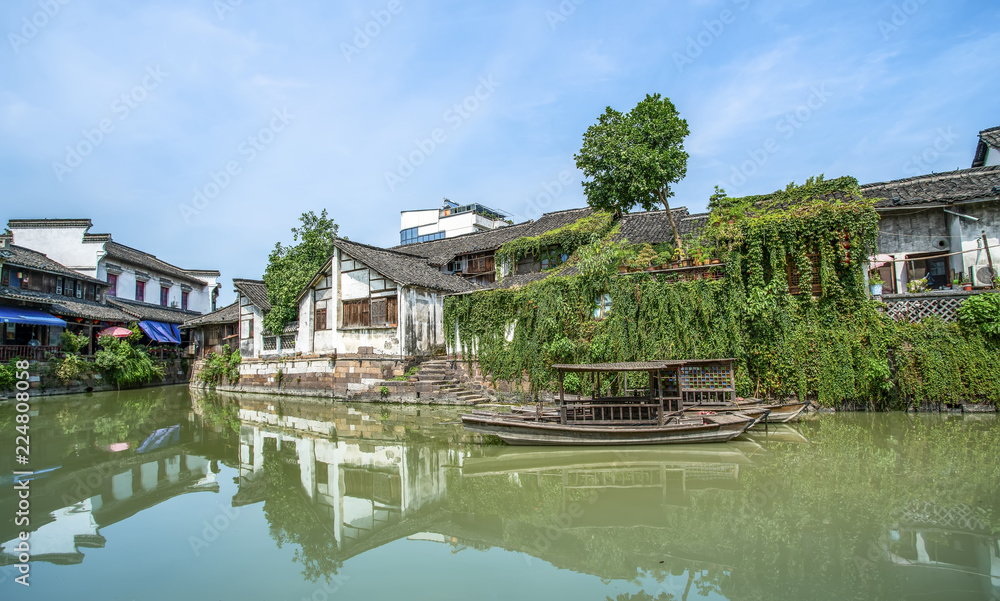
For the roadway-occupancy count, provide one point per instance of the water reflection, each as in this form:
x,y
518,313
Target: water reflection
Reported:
x,y
97,464
869,507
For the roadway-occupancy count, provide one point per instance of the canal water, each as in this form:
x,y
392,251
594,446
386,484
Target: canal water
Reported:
x,y
155,494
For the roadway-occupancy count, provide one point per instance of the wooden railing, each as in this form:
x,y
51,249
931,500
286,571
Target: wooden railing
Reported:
x,y
25,351
611,413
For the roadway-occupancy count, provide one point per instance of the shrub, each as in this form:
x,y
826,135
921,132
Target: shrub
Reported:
x,y
981,313
71,368
72,343
222,366
123,363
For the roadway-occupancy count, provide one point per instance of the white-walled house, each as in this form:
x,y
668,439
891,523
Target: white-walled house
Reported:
x,y
365,297
132,275
251,298
452,219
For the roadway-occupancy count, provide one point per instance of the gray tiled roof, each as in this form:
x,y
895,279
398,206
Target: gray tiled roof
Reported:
x,y
228,314
64,306
653,227
440,252
146,311
255,291
32,259
404,269
991,136
143,259
988,138
941,188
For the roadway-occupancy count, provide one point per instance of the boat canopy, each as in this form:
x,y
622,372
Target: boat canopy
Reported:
x,y
634,365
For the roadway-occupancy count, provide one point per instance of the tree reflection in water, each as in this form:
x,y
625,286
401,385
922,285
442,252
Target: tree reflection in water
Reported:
x,y
828,515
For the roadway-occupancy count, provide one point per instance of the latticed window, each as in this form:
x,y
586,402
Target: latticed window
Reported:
x,y
321,319
270,343
794,277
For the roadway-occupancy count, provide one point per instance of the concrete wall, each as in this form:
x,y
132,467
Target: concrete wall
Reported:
x,y
421,321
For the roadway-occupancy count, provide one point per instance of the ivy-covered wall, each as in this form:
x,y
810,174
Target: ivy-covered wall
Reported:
x,y
834,348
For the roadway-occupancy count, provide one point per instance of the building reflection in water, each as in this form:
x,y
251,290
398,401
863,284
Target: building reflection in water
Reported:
x,y
944,550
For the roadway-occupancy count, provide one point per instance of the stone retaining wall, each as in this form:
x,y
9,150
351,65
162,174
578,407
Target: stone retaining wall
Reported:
x,y
344,377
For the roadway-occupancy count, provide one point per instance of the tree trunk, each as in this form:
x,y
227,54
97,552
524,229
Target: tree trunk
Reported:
x,y
673,224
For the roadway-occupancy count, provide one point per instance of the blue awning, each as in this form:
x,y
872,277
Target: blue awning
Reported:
x,y
161,332
29,316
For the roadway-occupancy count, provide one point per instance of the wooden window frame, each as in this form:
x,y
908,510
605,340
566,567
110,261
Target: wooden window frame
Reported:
x,y
365,313
320,320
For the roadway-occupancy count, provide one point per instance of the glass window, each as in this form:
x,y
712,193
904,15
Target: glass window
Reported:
x,y
140,291
112,284
184,300
602,306
164,295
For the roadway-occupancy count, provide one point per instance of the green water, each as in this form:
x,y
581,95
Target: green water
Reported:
x,y
155,495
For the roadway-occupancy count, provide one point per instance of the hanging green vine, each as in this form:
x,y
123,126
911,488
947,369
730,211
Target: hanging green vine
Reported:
x,y
829,343
568,238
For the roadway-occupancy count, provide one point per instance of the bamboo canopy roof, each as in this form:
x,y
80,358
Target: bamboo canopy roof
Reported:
x,y
633,365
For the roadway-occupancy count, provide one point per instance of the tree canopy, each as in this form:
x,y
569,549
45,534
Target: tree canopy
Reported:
x,y
633,158
289,268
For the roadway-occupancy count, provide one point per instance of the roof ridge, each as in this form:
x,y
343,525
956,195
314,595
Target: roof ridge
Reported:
x,y
936,176
251,280
388,250
989,129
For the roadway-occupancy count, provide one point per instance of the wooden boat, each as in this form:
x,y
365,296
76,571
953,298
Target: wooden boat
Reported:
x,y
783,414
522,430
648,416
777,413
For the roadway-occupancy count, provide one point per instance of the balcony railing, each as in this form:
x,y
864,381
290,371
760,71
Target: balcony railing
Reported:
x,y
25,351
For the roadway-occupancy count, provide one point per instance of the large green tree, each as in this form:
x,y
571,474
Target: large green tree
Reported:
x,y
633,158
289,268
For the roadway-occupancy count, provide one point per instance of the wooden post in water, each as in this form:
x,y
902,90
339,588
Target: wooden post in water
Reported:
x,y
562,400
659,394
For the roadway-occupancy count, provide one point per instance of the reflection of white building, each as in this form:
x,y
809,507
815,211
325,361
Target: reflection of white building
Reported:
x,y
113,497
361,487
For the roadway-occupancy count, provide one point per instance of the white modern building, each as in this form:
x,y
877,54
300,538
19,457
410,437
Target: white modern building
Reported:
x,y
132,275
452,219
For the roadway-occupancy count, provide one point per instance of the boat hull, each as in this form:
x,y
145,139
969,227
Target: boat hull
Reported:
x,y
783,414
525,432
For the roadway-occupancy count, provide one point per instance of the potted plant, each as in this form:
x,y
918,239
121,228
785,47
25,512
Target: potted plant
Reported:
x,y
915,286
875,283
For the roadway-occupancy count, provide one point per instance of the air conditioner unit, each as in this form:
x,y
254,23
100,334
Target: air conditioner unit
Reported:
x,y
173,304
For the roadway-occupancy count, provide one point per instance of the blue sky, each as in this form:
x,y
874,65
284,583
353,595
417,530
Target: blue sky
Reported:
x,y
268,109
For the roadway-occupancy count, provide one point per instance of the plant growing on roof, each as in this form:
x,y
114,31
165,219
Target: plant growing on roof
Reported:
x,y
289,268
633,158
